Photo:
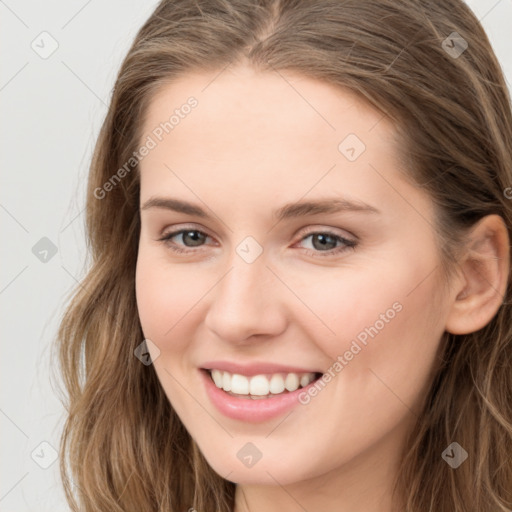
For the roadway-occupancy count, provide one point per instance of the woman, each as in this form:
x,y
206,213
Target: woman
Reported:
x,y
299,215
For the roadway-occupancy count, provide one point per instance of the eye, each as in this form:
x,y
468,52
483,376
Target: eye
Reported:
x,y
325,242
190,238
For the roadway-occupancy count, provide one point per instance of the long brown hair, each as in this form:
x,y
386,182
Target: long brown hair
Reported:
x,y
123,447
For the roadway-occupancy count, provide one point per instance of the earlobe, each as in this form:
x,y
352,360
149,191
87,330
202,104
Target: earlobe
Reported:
x,y
483,277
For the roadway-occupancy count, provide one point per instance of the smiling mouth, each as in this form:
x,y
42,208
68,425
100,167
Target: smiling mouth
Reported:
x,y
261,386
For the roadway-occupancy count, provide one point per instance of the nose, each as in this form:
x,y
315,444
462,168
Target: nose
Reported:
x,y
247,302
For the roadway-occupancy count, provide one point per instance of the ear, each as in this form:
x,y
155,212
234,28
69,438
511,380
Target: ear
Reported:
x,y
483,278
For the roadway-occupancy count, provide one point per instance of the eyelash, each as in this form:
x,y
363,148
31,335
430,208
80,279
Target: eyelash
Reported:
x,y
348,244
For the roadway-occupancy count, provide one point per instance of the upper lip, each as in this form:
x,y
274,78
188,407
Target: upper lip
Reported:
x,y
256,368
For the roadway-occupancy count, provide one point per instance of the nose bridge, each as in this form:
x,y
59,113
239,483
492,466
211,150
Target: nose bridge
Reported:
x,y
242,289
243,283
245,301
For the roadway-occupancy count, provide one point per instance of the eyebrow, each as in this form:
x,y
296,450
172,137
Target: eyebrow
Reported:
x,y
290,210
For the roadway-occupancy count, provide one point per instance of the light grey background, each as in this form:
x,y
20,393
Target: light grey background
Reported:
x,y
51,111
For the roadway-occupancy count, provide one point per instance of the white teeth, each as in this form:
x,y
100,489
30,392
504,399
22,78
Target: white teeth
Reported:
x,y
304,381
292,382
217,378
260,385
239,384
226,381
276,384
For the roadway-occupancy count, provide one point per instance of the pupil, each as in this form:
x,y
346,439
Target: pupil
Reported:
x,y
322,238
195,236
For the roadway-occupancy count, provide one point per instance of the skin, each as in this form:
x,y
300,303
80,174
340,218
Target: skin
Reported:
x,y
255,142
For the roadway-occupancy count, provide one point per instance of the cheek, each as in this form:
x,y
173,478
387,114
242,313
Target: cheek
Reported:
x,y
165,300
158,299
385,311
168,298
387,343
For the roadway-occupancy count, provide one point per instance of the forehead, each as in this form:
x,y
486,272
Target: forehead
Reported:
x,y
271,135
264,102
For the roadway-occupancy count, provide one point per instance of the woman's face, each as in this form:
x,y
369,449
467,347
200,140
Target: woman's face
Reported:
x,y
270,281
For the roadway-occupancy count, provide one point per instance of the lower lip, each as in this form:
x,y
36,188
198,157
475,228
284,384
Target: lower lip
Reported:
x,y
248,409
